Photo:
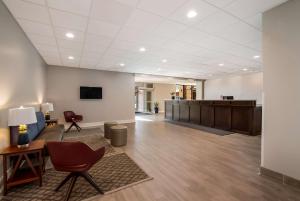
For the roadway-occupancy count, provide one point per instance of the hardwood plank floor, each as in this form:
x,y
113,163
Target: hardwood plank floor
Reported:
x,y
191,165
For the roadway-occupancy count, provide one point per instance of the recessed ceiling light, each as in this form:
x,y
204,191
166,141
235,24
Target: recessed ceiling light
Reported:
x,y
70,57
159,69
256,57
245,69
191,14
164,61
69,35
142,49
221,64
122,64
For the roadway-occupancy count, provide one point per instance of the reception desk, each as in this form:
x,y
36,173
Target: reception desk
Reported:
x,y
241,116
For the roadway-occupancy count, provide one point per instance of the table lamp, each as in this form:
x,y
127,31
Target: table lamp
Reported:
x,y
47,108
21,117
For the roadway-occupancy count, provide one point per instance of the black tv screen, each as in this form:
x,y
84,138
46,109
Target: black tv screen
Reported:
x,y
90,92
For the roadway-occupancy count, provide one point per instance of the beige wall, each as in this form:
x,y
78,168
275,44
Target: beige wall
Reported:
x,y
162,92
242,87
22,71
63,85
281,50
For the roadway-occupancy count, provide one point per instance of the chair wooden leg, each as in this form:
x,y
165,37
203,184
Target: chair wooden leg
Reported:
x,y
73,180
70,127
64,181
91,181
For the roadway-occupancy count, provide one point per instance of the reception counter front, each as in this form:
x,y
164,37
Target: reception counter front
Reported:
x,y
241,116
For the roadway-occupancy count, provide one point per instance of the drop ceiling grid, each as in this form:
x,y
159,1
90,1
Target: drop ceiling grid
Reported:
x,y
235,44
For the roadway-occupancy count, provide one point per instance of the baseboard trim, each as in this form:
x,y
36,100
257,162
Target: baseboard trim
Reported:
x,y
98,124
286,180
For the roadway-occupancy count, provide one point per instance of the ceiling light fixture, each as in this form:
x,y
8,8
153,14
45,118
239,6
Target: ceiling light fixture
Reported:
x,y
69,35
191,14
70,57
245,69
256,57
142,49
159,69
122,64
164,61
221,64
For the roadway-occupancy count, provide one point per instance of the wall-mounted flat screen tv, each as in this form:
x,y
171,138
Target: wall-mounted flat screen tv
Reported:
x,y
90,92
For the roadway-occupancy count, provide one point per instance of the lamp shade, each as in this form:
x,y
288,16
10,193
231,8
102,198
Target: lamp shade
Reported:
x,y
47,107
21,115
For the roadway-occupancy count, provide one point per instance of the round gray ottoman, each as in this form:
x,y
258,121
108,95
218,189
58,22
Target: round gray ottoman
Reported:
x,y
118,135
107,126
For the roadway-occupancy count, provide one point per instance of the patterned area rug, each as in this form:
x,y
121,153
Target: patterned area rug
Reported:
x,y
92,137
113,172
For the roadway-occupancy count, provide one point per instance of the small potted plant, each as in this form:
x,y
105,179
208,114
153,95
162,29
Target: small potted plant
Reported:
x,y
156,107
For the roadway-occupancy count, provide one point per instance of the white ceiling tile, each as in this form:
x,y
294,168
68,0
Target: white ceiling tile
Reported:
x,y
69,44
143,20
35,27
29,11
98,40
220,3
61,34
42,40
163,8
53,61
81,7
246,8
103,28
118,28
255,21
129,2
88,63
132,34
216,22
111,11
41,2
65,52
202,8
240,32
169,28
49,54
91,55
68,20
47,48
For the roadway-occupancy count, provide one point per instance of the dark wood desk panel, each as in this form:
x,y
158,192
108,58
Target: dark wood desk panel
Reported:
x,y
169,110
207,113
195,110
184,111
222,117
240,116
242,119
176,111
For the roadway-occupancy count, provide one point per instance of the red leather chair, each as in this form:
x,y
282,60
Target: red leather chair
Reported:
x,y
76,158
72,118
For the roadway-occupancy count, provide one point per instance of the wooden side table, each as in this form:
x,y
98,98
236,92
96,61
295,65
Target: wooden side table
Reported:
x,y
51,122
19,176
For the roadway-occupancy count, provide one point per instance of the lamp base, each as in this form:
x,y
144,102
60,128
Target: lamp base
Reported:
x,y
47,117
22,146
23,140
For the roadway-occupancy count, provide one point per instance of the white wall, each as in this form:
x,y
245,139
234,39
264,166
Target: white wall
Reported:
x,y
281,50
22,72
63,86
199,88
244,87
161,93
